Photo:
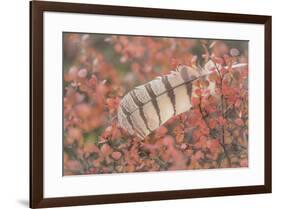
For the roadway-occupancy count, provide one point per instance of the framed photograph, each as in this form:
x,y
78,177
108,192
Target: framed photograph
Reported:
x,y
139,104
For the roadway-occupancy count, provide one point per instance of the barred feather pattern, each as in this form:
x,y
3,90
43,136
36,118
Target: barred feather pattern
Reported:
x,y
147,107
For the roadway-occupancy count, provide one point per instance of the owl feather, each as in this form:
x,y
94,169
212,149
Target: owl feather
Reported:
x,y
146,107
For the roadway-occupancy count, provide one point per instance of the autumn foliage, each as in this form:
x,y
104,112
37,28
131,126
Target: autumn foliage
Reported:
x,y
100,69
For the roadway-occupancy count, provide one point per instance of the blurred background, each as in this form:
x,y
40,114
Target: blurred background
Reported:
x,y
99,69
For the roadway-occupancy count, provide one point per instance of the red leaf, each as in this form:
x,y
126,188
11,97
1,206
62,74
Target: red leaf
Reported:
x,y
198,155
213,145
244,163
106,149
198,92
212,123
168,141
93,80
116,155
174,63
239,122
221,120
195,101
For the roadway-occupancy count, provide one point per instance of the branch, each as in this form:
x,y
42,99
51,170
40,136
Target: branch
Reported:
x,y
223,115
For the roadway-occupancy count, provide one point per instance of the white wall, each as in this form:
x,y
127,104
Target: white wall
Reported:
x,y
14,106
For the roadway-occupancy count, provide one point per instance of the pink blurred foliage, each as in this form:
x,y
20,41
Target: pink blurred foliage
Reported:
x,y
213,134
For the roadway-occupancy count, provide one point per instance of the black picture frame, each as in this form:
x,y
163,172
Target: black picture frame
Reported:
x,y
37,9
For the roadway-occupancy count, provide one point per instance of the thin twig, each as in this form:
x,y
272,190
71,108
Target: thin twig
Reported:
x,y
222,114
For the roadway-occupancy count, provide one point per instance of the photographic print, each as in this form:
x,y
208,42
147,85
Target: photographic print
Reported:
x,y
144,103
126,109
